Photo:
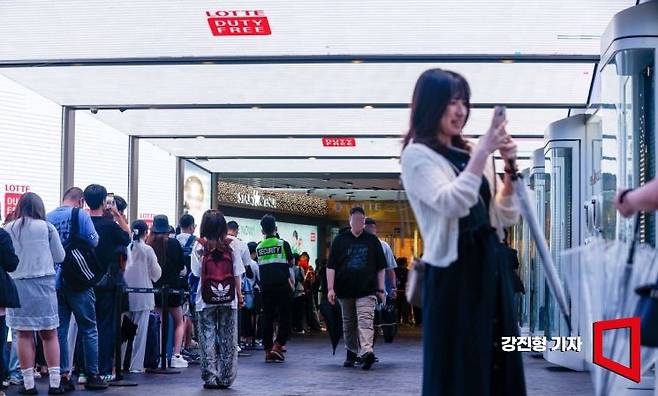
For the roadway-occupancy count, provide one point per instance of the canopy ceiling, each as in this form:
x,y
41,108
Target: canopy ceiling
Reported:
x,y
262,103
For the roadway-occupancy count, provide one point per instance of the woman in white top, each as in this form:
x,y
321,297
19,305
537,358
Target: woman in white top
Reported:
x,y
462,207
38,248
217,323
142,270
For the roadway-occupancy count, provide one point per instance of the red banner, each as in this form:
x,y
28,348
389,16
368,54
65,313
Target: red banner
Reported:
x,y
238,23
13,193
338,142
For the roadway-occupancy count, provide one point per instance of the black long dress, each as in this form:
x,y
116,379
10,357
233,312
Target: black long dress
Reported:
x,y
467,308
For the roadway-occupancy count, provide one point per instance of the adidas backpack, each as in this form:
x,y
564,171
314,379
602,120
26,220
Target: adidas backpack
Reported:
x,y
217,277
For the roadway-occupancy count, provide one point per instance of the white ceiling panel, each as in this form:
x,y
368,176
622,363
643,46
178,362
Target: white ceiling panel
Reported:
x,y
287,122
298,83
263,167
77,29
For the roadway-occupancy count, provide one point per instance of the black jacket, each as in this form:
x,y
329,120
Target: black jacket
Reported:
x,y
8,258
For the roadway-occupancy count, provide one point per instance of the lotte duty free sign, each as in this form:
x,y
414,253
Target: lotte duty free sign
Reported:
x,y
238,23
338,142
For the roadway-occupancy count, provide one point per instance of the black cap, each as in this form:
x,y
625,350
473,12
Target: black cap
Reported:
x,y
160,224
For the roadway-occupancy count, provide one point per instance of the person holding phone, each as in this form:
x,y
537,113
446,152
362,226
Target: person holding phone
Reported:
x,y
462,210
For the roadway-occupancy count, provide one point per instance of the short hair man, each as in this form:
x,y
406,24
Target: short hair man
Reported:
x,y
391,265
355,275
274,264
114,236
80,304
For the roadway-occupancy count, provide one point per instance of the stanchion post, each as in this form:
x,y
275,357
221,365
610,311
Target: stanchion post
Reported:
x,y
164,295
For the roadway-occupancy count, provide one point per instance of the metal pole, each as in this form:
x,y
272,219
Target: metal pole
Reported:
x,y
180,180
214,200
67,150
133,177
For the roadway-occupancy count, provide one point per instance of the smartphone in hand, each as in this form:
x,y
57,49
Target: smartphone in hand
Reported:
x,y
500,115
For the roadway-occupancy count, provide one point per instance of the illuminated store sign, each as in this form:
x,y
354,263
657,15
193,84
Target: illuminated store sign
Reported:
x,y
232,194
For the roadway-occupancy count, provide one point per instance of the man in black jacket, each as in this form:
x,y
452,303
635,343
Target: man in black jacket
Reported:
x,y
355,275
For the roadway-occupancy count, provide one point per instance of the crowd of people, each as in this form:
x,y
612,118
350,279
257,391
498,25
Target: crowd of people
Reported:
x,y
223,295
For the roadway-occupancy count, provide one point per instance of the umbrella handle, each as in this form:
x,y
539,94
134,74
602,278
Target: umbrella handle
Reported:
x,y
636,238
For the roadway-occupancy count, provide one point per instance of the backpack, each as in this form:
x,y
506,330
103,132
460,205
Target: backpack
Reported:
x,y
248,291
217,278
80,268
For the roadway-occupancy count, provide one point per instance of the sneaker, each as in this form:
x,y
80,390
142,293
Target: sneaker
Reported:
x,y
15,381
136,371
4,385
177,361
95,382
67,384
368,360
350,360
82,379
31,391
278,351
108,377
273,358
56,391
37,374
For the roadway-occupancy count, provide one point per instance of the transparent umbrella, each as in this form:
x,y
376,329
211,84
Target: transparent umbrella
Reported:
x,y
607,280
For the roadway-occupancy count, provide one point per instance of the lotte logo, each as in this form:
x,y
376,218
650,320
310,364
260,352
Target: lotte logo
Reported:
x,y
633,372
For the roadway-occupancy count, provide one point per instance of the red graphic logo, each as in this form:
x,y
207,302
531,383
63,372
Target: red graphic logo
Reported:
x,y
338,142
633,372
13,193
238,23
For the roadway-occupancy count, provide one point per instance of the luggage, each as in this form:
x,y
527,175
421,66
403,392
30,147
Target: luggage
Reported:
x,y
386,319
152,353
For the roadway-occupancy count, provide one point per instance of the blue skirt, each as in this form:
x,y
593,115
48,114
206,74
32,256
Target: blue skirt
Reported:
x,y
38,309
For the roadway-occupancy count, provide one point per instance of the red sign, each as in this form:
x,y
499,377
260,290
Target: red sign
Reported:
x,y
313,237
13,193
338,142
238,23
148,218
633,372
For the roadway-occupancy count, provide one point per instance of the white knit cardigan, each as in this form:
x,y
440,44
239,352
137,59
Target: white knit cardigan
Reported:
x,y
439,198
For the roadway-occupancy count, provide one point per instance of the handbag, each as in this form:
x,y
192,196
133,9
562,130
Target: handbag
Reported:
x,y
8,293
415,280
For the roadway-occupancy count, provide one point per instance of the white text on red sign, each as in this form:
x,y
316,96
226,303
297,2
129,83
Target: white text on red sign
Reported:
x,y
238,23
339,142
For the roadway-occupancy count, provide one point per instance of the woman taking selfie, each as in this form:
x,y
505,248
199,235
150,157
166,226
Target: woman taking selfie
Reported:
x,y
461,209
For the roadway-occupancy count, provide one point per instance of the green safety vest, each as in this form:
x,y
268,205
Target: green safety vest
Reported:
x,y
271,251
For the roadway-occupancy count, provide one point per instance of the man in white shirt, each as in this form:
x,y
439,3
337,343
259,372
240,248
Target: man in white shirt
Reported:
x,y
391,265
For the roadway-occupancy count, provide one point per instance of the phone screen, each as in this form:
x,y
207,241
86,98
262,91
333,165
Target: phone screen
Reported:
x,y
109,201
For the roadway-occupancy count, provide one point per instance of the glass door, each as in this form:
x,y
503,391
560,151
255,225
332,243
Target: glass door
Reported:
x,y
537,284
563,190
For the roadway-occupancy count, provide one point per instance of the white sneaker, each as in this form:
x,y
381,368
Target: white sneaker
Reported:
x,y
178,362
136,371
82,379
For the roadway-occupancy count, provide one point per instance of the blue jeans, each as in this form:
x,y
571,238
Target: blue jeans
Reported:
x,y
105,316
82,306
14,369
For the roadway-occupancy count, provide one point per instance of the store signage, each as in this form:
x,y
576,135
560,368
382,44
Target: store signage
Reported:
x,y
255,199
147,217
13,193
338,142
238,23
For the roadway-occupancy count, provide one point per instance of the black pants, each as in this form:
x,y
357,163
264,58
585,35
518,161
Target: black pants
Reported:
x,y
276,303
3,341
299,313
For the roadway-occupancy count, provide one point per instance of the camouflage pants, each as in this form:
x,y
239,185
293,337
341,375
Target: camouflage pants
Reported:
x,y
218,338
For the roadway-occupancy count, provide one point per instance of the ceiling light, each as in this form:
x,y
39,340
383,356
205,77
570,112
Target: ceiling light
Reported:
x,y
357,61
507,61
312,158
255,107
200,137
325,180
368,107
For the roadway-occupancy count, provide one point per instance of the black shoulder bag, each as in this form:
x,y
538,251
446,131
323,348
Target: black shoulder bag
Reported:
x,y
81,268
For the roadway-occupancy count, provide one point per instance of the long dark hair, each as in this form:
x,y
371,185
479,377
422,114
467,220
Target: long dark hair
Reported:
x,y
30,205
158,241
434,90
214,230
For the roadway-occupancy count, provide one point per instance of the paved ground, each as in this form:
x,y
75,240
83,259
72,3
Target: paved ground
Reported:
x,y
312,370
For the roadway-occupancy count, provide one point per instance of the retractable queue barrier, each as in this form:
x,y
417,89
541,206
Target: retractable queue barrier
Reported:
x,y
164,300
